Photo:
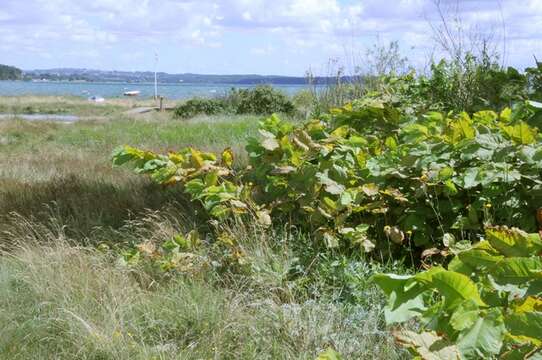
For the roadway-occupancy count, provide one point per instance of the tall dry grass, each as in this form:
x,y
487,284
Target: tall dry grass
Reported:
x,y
63,301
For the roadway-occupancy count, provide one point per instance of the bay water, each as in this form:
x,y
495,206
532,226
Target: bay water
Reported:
x,y
116,89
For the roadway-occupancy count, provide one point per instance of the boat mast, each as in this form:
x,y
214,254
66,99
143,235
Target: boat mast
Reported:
x,y
155,82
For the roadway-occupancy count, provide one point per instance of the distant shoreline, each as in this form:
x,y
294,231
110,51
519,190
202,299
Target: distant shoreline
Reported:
x,y
142,77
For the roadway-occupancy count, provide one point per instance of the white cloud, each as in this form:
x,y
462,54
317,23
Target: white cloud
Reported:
x,y
319,27
263,51
246,16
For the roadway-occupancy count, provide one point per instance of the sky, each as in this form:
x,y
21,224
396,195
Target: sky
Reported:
x,y
282,37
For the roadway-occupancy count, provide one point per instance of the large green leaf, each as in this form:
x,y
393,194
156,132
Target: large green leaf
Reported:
x,y
513,241
404,296
527,324
478,258
466,314
454,287
517,270
484,339
459,266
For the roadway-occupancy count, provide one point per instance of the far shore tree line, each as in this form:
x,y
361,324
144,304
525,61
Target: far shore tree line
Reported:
x,y
10,73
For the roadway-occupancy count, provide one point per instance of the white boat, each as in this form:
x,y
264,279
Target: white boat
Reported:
x,y
132,93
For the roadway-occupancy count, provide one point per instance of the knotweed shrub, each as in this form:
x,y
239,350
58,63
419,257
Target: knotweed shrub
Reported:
x,y
371,177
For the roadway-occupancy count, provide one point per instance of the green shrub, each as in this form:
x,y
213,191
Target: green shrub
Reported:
x,y
534,76
470,85
305,101
474,84
261,100
198,106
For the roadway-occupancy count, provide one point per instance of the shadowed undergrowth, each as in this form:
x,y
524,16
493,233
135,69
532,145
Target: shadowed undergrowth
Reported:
x,y
65,170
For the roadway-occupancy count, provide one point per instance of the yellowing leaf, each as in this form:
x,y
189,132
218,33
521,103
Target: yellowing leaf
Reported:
x,y
485,117
505,114
176,158
462,129
196,158
361,159
330,204
530,304
226,239
521,133
341,131
513,241
391,143
227,157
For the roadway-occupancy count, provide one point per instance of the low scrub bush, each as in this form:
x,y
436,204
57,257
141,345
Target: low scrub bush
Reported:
x,y
197,106
261,100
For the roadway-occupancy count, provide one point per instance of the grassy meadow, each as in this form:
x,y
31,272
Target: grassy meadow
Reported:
x,y
62,297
